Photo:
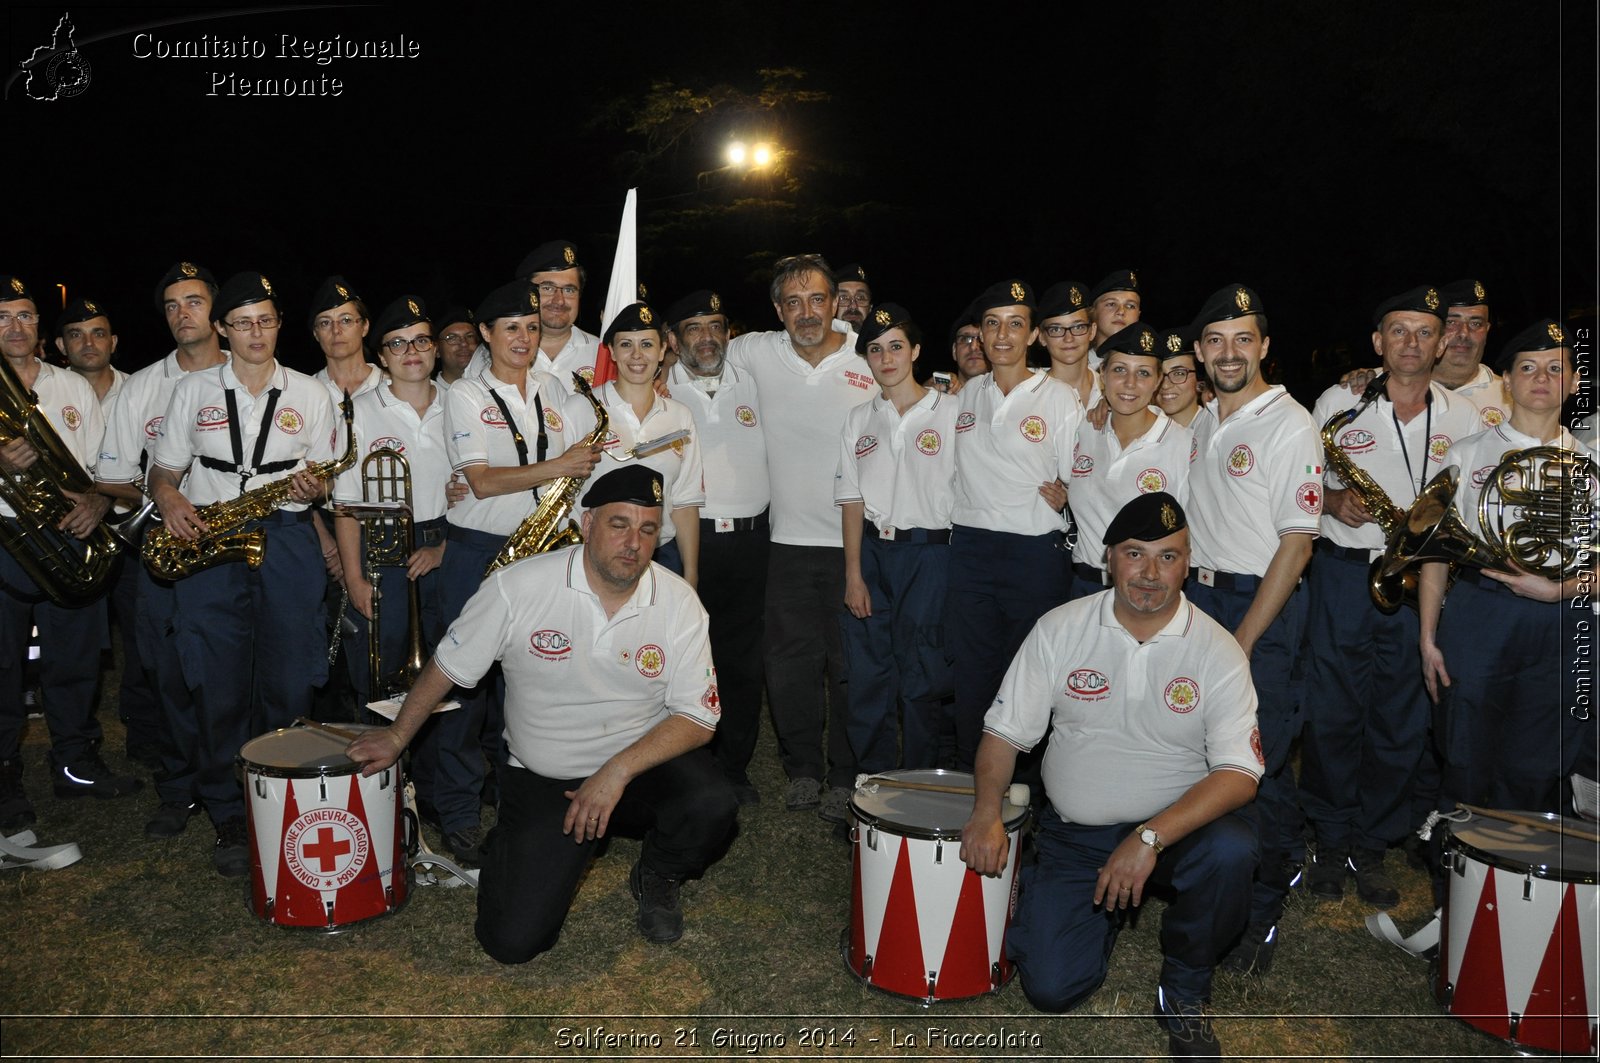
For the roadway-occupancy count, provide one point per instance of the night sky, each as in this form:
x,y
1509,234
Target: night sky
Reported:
x,y
1328,154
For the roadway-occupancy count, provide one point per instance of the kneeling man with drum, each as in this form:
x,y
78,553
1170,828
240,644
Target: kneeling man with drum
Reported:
x,y
610,695
1153,752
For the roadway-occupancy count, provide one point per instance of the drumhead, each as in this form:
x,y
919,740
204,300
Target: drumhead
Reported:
x,y
299,752
923,813
1528,850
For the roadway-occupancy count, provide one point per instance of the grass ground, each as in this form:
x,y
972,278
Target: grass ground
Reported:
x,y
141,950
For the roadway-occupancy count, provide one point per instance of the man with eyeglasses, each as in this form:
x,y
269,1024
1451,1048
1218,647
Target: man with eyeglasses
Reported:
x,y
966,346
69,637
253,642
564,348
855,295
807,377
1116,302
457,339
734,529
184,296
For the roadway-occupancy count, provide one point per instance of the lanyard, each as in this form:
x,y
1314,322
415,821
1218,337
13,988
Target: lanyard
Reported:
x,y
1427,435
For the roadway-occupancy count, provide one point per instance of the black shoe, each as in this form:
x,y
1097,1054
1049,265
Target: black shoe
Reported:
x,y
231,857
660,914
1253,953
466,845
746,793
91,776
1325,879
1188,1026
170,820
1373,884
15,810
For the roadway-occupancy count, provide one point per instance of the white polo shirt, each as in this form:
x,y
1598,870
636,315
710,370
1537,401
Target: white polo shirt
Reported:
x,y
476,433
682,473
382,420
804,408
1106,477
73,409
1478,454
902,468
1008,445
1255,478
733,443
375,376
304,429
581,688
576,356
1135,725
1486,392
1373,444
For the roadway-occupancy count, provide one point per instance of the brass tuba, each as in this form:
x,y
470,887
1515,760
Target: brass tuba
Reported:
x,y
70,571
386,518
1535,515
539,532
172,558
1388,591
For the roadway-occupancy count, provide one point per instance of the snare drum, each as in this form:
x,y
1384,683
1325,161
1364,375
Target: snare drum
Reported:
x,y
328,847
922,924
1518,951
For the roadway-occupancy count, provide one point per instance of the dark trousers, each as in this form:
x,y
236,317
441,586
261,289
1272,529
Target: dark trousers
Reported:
x,y
684,808
254,649
1273,671
137,704
895,660
157,631
1366,713
1000,584
70,641
805,661
733,589
1062,943
394,620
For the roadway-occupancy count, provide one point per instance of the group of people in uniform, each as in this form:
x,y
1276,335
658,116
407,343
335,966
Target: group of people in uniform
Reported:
x,y
1079,573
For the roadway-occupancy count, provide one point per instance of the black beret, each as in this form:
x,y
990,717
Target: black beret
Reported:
x,y
452,315
404,312
1003,293
695,304
969,316
1147,518
80,310
1174,341
1062,299
1137,338
1545,334
1423,300
854,272
1118,280
178,272
635,483
551,257
12,288
332,292
1467,292
517,299
1227,303
880,319
635,317
242,289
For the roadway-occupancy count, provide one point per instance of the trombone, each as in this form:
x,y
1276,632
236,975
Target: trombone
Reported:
x,y
386,520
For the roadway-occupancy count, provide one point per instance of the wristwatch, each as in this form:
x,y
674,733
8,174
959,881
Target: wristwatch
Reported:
x,y
1148,835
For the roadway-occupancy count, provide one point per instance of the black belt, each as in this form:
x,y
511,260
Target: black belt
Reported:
x,y
474,537
429,532
285,516
1090,574
733,524
1473,574
1057,539
1235,581
912,536
1345,553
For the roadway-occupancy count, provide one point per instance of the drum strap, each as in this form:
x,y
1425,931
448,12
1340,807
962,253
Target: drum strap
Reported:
x,y
19,850
1380,926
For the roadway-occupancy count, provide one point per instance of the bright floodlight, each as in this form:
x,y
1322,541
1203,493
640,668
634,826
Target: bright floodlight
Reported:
x,y
762,155
736,153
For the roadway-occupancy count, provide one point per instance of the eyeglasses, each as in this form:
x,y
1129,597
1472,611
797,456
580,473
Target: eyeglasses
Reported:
x,y
1471,324
457,339
1177,376
1055,332
266,323
858,299
549,288
344,321
968,340
21,317
423,345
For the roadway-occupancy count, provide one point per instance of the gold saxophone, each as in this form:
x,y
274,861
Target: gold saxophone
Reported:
x,y
539,532
70,571
172,558
1389,590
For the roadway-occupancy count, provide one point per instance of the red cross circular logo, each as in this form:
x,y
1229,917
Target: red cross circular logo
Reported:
x,y
326,847
1310,497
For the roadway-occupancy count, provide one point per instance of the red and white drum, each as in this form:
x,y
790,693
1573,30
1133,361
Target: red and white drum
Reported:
x,y
328,847
1518,953
923,925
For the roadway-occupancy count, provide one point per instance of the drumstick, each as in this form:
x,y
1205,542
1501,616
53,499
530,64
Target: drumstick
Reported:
x,y
337,732
1530,821
1016,793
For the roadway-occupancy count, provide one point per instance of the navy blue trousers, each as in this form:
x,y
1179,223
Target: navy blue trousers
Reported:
x,y
733,589
450,746
805,662
1062,943
138,706
895,659
156,608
